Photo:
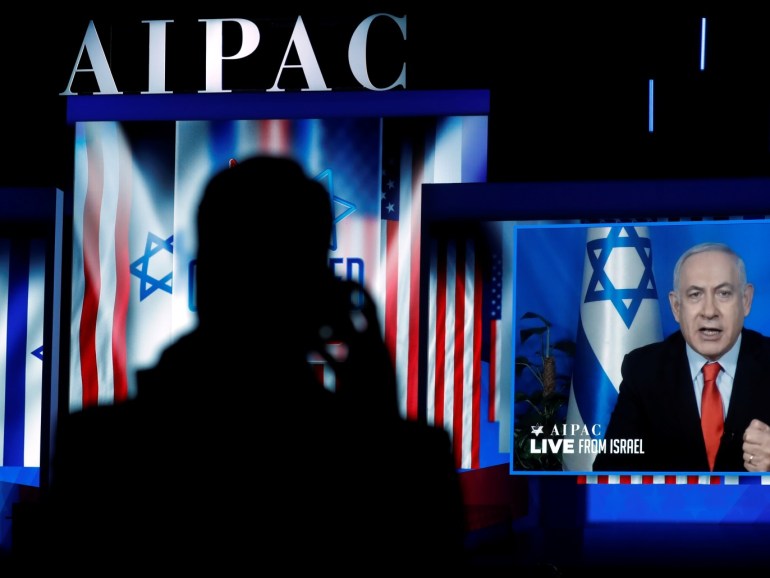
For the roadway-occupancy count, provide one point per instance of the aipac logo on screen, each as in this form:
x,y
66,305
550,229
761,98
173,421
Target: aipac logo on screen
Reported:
x,y
581,439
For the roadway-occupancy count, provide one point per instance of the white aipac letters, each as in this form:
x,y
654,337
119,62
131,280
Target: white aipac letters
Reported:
x,y
214,43
357,53
300,41
101,68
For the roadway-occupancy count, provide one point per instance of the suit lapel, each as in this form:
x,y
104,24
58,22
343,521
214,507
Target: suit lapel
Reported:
x,y
680,381
742,399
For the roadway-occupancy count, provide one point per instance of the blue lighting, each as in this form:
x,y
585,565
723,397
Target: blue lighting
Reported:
x,y
703,44
271,105
650,127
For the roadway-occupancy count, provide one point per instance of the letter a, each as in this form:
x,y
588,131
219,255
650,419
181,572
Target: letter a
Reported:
x,y
101,68
307,60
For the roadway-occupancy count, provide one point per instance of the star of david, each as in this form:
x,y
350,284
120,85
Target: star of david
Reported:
x,y
38,353
141,267
325,177
600,288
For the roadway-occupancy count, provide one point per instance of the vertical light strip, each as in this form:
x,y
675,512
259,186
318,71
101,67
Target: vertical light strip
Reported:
x,y
703,44
55,333
651,105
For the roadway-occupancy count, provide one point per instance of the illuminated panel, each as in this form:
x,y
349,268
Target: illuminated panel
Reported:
x,y
142,163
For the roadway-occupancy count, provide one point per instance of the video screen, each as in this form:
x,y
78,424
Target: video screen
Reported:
x,y
138,183
584,296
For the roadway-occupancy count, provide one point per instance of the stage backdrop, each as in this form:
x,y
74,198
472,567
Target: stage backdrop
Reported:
x,y
139,175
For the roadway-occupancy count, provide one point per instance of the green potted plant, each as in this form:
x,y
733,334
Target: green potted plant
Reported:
x,y
541,393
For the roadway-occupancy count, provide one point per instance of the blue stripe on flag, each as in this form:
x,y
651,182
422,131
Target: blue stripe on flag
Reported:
x,y
16,354
593,390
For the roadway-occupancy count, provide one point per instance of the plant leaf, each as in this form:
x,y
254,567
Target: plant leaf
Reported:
x,y
530,331
531,315
565,345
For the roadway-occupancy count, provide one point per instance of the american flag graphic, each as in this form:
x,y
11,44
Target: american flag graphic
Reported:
x,y
414,153
454,346
402,156
22,301
494,302
465,364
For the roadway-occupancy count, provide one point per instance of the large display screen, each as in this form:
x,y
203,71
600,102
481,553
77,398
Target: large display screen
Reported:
x,y
585,295
538,233
141,165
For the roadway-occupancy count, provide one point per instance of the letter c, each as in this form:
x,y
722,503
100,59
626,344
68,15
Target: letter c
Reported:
x,y
357,52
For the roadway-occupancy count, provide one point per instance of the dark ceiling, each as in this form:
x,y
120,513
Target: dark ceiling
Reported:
x,y
569,88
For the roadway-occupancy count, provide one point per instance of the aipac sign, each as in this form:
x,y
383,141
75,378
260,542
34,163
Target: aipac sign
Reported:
x,y
232,39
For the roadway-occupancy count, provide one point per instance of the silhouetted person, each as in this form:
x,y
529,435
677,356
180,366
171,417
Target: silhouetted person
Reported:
x,y
232,451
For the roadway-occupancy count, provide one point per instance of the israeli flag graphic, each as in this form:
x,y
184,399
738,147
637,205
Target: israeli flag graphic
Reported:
x,y
619,312
22,303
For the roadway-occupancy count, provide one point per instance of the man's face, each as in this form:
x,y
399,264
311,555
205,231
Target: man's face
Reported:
x,y
709,304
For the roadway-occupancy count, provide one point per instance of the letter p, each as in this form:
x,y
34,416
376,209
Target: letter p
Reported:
x,y
215,44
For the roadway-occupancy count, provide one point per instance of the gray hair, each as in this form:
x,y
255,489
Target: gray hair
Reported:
x,y
710,246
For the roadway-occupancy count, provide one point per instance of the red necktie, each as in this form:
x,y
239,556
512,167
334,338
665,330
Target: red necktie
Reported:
x,y
711,415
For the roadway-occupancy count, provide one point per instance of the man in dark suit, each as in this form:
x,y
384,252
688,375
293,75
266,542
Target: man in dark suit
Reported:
x,y
659,400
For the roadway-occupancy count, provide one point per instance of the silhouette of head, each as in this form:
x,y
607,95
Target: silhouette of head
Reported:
x,y
263,239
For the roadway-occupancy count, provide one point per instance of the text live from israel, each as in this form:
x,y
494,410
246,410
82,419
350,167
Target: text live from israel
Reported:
x,y
580,439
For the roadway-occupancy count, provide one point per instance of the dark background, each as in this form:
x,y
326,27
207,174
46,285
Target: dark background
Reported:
x,y
569,101
569,86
